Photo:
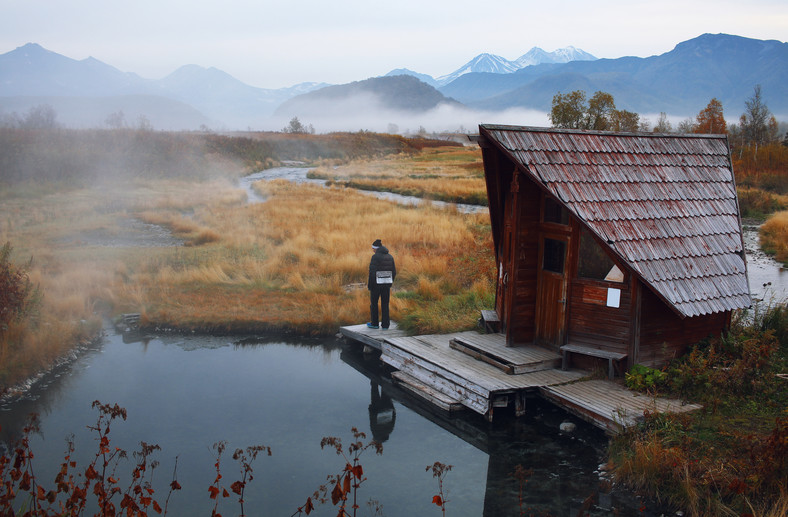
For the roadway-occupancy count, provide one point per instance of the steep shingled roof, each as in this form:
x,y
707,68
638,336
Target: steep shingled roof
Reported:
x,y
665,204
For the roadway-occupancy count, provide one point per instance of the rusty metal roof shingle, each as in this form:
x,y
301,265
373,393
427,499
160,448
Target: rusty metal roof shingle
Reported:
x,y
666,204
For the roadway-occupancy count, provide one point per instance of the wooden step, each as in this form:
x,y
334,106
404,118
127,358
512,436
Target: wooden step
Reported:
x,y
428,393
492,349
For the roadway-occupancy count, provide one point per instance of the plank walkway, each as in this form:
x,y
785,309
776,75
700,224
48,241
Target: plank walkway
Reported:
x,y
609,405
477,371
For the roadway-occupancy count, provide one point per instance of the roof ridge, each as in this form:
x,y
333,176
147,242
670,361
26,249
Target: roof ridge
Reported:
x,y
538,129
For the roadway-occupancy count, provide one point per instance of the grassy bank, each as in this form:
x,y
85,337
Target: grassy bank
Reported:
x,y
299,261
450,174
731,457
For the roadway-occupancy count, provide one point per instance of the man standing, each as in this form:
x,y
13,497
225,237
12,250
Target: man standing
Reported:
x,y
382,272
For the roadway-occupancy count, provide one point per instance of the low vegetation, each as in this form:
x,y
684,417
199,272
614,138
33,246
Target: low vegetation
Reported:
x,y
731,457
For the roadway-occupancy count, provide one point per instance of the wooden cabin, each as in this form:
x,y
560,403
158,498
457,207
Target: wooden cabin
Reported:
x,y
624,248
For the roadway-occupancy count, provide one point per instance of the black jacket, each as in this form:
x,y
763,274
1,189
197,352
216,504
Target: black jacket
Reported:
x,y
381,261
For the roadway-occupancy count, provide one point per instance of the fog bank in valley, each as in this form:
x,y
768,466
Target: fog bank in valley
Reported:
x,y
366,112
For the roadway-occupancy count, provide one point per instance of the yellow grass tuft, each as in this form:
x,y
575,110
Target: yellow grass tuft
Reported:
x,y
429,289
774,236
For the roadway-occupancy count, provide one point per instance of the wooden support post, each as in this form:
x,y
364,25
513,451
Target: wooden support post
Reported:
x,y
519,403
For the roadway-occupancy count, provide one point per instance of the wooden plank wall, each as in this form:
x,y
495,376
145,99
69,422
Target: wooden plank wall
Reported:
x,y
592,323
664,335
527,245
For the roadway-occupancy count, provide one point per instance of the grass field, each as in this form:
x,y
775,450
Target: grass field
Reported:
x,y
295,262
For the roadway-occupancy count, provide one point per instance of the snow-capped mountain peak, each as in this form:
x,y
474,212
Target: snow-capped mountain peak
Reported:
x,y
537,56
489,63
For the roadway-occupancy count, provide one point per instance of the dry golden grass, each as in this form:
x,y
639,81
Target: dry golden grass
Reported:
x,y
453,174
774,236
286,263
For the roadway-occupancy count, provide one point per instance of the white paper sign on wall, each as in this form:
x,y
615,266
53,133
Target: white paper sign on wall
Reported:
x,y
613,297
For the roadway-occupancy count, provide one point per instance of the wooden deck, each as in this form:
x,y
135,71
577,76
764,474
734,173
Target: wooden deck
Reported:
x,y
478,372
370,337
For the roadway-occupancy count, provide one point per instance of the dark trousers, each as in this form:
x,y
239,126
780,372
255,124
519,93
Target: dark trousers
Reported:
x,y
382,293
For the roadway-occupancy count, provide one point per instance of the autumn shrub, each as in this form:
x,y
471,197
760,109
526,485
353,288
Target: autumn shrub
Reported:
x,y
102,487
757,203
764,166
18,297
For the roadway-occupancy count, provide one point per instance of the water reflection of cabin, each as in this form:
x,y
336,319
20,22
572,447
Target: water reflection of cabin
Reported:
x,y
613,245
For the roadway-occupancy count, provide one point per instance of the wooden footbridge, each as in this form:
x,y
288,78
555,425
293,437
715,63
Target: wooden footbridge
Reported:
x,y
475,371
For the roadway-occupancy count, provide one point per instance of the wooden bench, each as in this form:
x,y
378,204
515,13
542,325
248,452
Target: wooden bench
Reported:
x,y
593,352
491,322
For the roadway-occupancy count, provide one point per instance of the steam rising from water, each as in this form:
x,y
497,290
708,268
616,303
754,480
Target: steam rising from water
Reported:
x,y
367,112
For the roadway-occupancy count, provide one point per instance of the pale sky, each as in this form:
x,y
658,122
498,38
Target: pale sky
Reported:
x,y
273,44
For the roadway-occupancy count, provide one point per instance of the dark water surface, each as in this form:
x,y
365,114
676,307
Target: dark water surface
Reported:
x,y
185,393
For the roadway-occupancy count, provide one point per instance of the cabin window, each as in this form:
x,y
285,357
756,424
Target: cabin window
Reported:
x,y
553,255
594,263
554,212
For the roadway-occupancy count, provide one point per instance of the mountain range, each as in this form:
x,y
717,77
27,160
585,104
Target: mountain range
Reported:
x,y
680,83
490,63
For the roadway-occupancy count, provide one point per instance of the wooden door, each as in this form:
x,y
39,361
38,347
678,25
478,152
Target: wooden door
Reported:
x,y
551,289
507,265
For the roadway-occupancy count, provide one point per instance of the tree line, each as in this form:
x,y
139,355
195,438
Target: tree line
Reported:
x,y
757,125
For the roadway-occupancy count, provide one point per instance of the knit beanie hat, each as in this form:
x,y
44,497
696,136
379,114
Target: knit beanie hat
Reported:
x,y
377,244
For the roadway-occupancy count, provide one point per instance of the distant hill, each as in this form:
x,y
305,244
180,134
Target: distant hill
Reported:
x,y
223,97
399,93
428,79
35,71
679,82
82,90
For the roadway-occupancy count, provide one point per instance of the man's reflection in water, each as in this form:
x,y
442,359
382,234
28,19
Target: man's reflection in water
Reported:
x,y
381,413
